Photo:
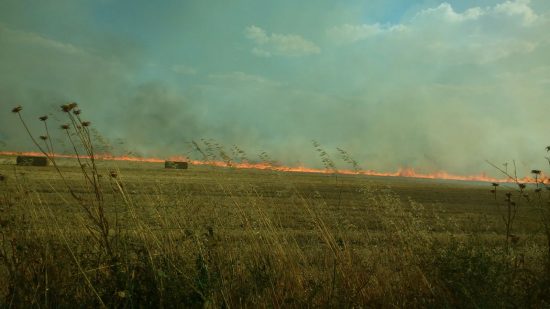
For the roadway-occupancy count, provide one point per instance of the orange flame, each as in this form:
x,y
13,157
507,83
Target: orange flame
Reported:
x,y
401,172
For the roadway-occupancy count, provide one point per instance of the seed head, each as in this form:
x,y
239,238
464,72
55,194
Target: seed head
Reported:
x,y
508,194
65,126
86,123
113,174
16,109
547,148
493,191
68,107
43,118
522,186
494,184
77,112
536,172
2,178
43,137
537,190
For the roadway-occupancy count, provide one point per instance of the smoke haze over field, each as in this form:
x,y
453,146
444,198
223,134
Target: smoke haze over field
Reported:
x,y
425,84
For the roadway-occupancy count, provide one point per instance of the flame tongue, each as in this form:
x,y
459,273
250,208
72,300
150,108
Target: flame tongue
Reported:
x,y
402,172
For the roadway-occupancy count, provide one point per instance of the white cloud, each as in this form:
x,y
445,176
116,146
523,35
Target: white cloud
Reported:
x,y
515,8
267,45
446,12
476,35
354,33
257,34
518,8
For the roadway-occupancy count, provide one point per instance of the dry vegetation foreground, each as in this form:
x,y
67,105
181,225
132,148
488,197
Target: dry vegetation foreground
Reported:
x,y
223,237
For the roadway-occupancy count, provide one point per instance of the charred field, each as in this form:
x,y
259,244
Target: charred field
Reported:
x,y
225,237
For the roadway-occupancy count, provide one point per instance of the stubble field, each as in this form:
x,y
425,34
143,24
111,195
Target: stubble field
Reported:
x,y
211,237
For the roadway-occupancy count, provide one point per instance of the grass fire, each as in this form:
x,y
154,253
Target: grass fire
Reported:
x,y
227,231
274,154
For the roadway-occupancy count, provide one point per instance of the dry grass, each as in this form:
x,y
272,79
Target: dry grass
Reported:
x,y
226,237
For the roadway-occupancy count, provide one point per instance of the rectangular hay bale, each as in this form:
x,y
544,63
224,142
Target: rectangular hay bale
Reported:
x,y
32,161
176,165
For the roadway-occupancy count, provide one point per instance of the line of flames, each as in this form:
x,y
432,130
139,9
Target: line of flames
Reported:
x,y
401,172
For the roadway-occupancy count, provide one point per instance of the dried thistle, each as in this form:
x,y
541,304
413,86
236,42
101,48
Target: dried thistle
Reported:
x,y
521,186
77,112
43,118
536,172
494,184
65,108
65,126
68,107
43,137
86,123
16,109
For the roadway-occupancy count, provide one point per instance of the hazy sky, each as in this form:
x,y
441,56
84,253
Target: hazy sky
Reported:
x,y
425,84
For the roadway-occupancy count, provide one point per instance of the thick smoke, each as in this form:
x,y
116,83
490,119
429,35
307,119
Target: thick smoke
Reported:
x,y
440,88
41,74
